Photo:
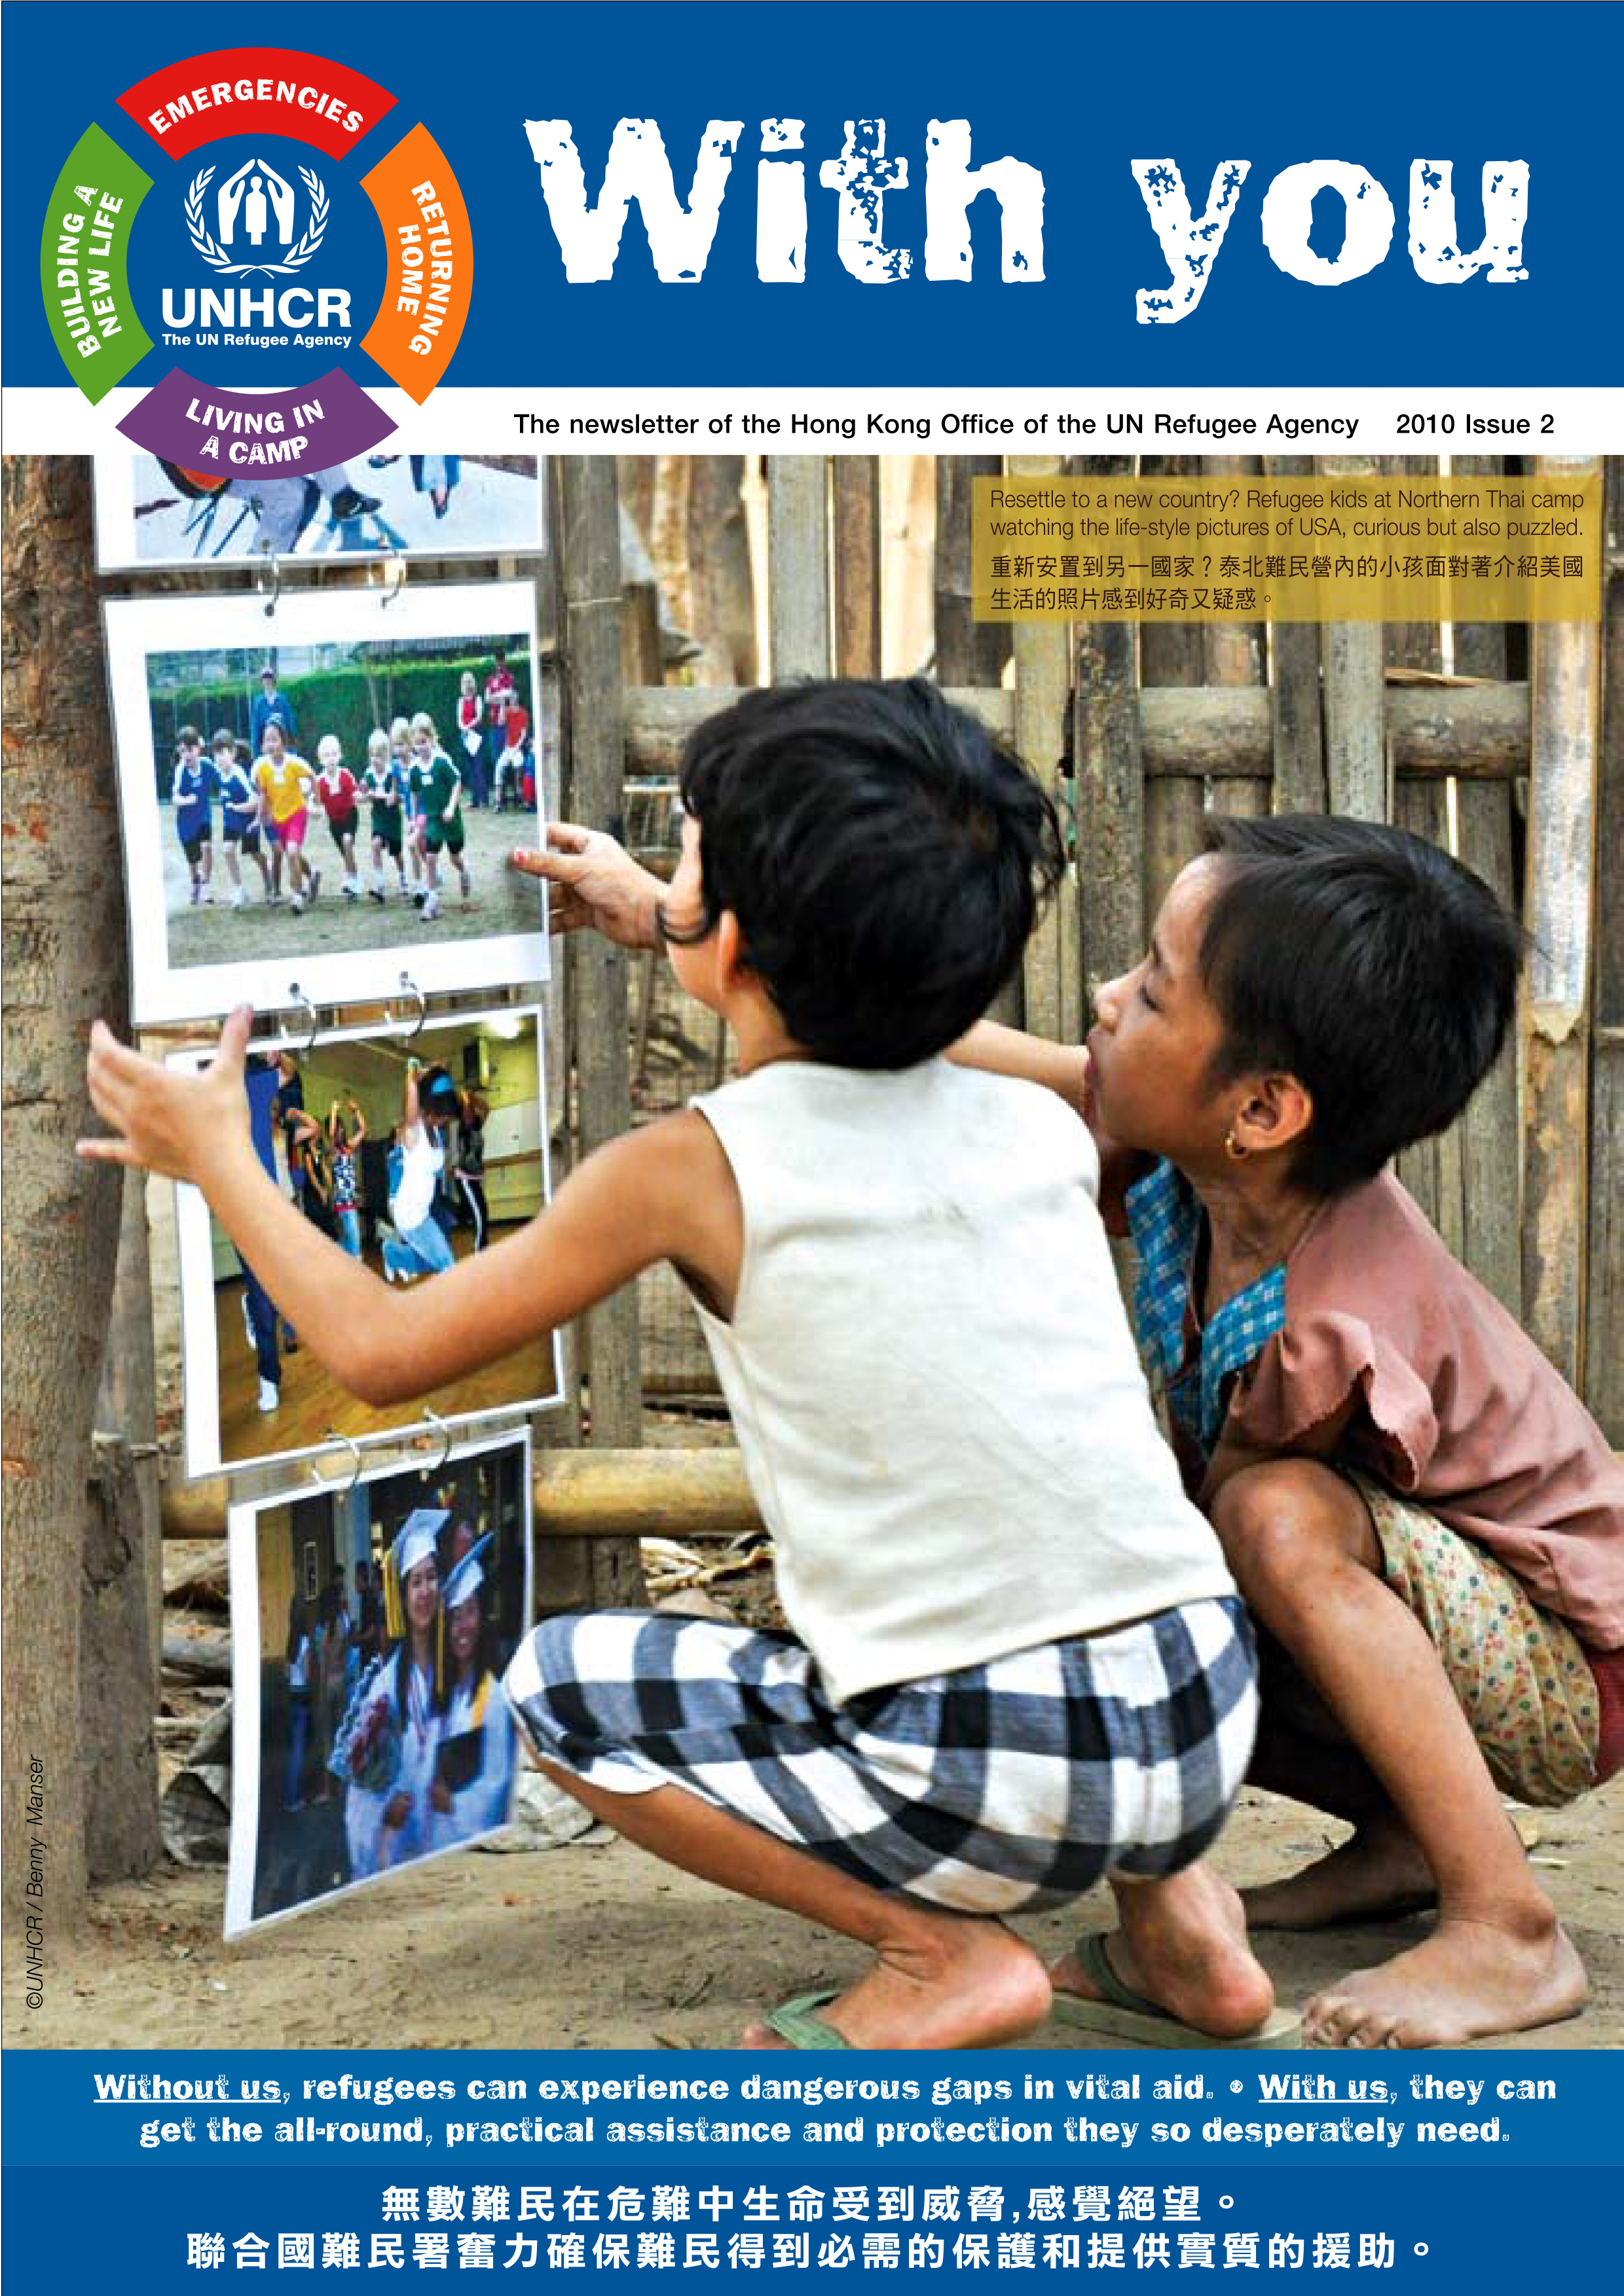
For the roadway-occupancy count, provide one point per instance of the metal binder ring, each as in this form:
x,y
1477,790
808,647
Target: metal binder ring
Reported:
x,y
296,995
333,1436
436,1421
410,988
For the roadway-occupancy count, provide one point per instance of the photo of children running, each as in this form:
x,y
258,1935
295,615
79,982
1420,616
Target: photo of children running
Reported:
x,y
327,772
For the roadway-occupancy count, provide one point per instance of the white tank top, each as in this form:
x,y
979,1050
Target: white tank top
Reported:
x,y
937,1394
422,1162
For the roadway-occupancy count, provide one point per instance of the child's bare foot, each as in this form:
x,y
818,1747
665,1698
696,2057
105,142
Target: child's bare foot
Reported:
x,y
1379,1872
1182,1944
1469,1979
969,1984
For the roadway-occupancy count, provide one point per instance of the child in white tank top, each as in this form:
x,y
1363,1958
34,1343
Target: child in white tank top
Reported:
x,y
1018,1664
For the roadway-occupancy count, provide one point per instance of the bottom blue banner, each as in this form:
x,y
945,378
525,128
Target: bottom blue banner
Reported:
x,y
565,2163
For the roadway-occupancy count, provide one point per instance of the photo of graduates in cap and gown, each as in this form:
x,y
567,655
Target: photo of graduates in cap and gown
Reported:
x,y
384,1615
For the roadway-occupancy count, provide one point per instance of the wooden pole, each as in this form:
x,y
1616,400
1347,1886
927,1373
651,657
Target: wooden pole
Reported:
x,y
856,565
1356,769
640,662
1298,742
1433,1170
799,619
64,966
1171,654
602,1495
968,653
1110,799
1411,645
668,533
1236,654
1300,785
121,1624
1491,1153
636,476
697,1494
720,585
1350,657
594,749
1183,732
1561,918
1042,724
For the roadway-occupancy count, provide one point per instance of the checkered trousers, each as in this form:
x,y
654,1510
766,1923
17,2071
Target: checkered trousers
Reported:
x,y
1015,1784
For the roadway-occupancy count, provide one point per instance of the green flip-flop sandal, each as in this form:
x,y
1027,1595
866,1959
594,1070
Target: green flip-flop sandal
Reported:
x,y
1121,2014
796,2022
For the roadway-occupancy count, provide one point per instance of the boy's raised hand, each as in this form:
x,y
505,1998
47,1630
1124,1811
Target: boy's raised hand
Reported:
x,y
163,1120
596,883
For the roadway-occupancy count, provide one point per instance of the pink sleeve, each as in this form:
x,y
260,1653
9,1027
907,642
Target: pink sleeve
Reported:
x,y
1310,1371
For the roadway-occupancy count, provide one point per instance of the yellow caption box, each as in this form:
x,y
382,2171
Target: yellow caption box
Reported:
x,y
1366,548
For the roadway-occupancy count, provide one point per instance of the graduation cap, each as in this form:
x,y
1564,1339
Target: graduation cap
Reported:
x,y
416,1539
468,1575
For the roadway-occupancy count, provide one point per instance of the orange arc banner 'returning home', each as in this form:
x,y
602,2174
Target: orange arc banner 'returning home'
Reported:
x,y
430,254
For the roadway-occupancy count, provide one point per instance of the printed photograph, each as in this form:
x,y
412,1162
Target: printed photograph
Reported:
x,y
151,513
371,1622
410,1153
317,803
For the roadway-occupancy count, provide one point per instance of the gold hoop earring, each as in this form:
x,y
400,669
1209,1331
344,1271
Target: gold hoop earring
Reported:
x,y
1232,1148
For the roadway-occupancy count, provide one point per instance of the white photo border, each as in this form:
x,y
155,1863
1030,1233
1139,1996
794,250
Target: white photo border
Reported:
x,y
242,1554
194,1250
136,628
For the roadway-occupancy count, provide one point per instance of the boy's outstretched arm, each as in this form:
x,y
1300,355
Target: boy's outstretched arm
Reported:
x,y
666,1191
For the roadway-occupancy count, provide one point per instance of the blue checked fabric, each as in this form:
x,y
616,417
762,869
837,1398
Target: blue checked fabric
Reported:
x,y
1166,1222
1016,1785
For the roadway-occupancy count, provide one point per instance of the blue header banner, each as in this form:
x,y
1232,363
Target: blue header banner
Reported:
x,y
824,195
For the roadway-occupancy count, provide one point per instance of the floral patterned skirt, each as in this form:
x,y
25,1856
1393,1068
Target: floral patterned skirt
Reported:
x,y
1519,1673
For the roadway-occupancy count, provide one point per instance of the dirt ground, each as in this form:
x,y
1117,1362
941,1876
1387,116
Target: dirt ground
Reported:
x,y
597,1947
217,934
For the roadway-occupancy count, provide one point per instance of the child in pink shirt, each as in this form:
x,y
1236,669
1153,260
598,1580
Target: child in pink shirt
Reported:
x,y
1423,1517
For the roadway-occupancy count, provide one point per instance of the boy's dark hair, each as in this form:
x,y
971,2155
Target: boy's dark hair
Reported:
x,y
1370,965
884,857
